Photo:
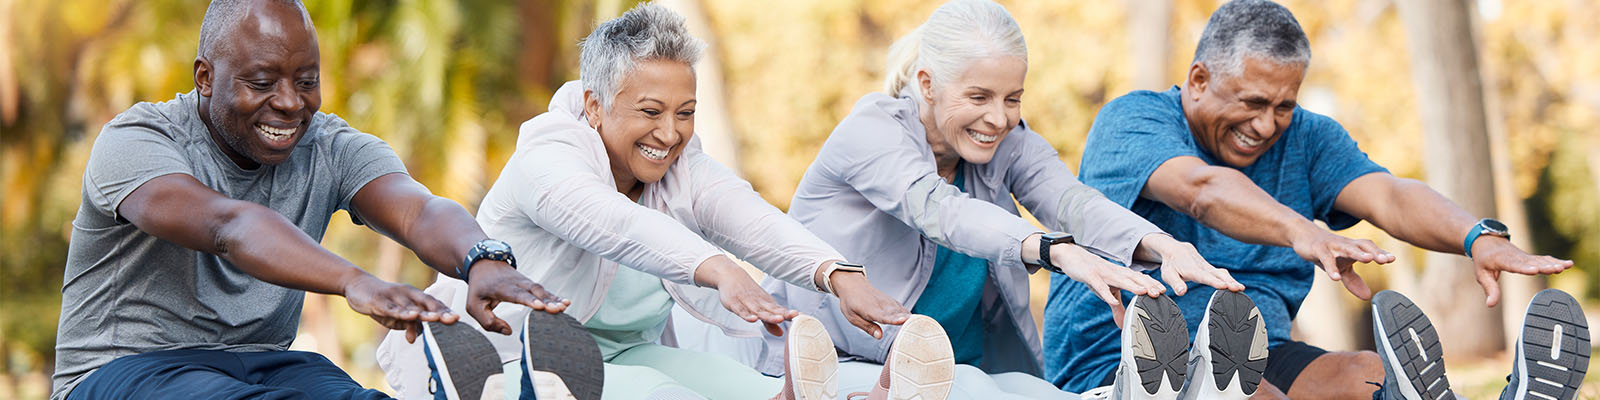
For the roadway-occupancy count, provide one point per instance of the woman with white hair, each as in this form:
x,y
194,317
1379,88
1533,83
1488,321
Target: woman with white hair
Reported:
x,y
610,200
918,182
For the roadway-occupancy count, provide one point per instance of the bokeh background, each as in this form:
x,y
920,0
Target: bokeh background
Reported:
x,y
447,82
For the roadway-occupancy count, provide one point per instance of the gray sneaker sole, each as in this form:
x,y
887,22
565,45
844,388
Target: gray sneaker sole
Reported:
x,y
1553,349
468,357
1409,345
1237,332
557,343
1161,321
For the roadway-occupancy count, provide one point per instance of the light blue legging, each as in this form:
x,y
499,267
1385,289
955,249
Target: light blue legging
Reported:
x,y
651,371
971,383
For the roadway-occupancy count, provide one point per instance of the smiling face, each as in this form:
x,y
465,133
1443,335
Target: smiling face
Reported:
x,y
260,87
1237,118
969,116
648,123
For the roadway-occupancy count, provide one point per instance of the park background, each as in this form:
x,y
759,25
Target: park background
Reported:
x,y
1495,102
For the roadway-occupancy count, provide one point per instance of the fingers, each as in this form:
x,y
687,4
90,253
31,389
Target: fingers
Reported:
x,y
1329,265
1227,278
774,329
1377,255
1174,279
863,324
412,331
482,310
1490,280
1117,311
1104,292
1354,283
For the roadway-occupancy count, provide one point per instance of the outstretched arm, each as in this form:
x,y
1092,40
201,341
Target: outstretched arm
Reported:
x,y
259,241
441,233
1411,211
1226,200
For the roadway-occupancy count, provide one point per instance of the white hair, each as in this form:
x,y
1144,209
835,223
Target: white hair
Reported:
x,y
647,32
958,33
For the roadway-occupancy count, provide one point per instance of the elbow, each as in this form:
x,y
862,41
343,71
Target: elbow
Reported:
x,y
230,226
1205,191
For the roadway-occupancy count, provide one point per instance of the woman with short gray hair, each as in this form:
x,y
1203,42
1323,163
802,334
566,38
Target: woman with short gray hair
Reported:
x,y
618,206
919,180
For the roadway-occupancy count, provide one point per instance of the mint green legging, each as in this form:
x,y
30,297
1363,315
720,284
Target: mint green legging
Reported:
x,y
644,370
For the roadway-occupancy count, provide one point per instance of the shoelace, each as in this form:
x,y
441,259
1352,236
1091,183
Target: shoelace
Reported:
x,y
1099,393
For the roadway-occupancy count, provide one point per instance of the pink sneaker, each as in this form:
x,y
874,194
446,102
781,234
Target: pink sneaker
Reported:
x,y
810,363
921,365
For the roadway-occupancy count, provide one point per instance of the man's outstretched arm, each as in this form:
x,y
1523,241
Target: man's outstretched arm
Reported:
x,y
1226,200
441,232
259,241
1411,211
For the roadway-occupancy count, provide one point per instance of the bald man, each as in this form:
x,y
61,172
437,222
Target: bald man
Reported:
x,y
199,228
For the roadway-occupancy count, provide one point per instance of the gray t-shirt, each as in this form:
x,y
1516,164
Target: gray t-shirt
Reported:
x,y
127,292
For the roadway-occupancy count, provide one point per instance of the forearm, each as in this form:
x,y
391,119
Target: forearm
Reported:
x,y
267,246
440,235
1226,200
1422,217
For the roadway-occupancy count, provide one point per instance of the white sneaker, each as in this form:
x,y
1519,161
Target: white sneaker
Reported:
x,y
1155,340
1229,354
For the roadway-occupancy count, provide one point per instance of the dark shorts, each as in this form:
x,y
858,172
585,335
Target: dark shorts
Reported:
x,y
1284,363
215,374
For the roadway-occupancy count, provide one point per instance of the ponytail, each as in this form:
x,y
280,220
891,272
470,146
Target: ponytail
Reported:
x,y
901,67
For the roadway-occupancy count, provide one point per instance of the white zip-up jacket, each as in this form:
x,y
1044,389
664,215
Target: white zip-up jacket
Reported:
x,y
558,206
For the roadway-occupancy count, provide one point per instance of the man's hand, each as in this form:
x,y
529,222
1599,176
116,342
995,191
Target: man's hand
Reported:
x,y
864,306
395,306
1337,256
1493,255
741,295
1180,263
493,282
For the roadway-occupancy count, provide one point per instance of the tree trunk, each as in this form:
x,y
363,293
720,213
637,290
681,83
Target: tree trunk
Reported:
x,y
1149,25
1456,159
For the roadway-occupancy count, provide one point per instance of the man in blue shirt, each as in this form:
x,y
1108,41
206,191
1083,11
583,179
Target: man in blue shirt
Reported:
x,y
1229,163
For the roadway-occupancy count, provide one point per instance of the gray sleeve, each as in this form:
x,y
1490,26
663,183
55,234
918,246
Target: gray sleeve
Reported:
x,y
132,149
1047,188
360,157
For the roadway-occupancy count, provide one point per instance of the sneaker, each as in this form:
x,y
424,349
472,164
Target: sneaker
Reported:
x,y
1552,350
921,364
810,363
1409,347
560,360
1229,353
462,362
1154,343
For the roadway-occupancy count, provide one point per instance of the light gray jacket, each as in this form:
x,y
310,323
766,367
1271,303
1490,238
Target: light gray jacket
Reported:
x,y
874,194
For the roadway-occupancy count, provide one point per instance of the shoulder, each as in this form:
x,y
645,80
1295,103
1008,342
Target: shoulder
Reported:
x,y
1317,126
1142,107
169,121
877,122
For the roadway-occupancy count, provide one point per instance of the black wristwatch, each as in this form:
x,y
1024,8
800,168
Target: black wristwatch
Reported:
x,y
1486,226
487,249
1047,240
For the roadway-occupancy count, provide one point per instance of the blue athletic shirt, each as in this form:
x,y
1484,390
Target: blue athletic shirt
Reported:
x,y
1133,134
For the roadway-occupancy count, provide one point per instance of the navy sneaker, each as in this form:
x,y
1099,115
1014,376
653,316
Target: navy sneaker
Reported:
x,y
464,364
1155,341
1552,350
1409,347
560,360
1229,354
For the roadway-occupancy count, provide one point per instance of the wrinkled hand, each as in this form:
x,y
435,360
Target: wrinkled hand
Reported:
x,y
396,306
1493,255
864,306
741,295
1180,263
1337,256
1102,276
493,282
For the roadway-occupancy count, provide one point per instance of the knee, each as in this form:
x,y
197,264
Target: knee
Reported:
x,y
1365,363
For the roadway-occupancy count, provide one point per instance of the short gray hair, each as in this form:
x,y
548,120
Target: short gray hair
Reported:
x,y
222,19
1258,28
958,33
647,32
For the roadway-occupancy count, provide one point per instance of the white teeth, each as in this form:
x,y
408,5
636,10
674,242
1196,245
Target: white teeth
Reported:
x,y
652,153
982,138
274,133
1246,141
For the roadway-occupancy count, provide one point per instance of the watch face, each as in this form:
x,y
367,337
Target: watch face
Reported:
x,y
495,246
1057,237
1494,225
